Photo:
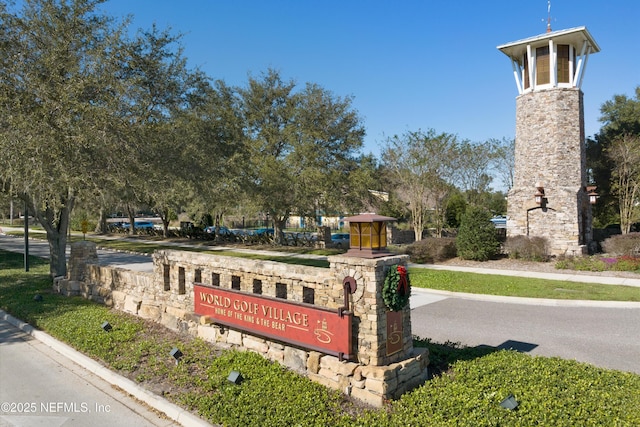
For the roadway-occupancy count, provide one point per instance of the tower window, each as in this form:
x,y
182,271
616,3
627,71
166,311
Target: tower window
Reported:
x,y
543,66
564,75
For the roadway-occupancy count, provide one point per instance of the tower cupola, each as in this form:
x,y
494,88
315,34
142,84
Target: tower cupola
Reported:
x,y
551,60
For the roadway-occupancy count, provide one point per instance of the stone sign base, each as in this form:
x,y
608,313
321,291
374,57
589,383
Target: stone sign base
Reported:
x,y
371,384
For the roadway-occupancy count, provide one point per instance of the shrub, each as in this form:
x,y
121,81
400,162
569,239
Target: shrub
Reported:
x,y
622,244
580,263
527,248
432,249
477,239
626,263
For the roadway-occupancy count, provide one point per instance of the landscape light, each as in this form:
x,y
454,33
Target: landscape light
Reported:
x,y
37,298
176,354
509,403
235,377
106,326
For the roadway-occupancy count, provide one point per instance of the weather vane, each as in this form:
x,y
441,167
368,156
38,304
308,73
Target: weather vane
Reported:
x,y
548,16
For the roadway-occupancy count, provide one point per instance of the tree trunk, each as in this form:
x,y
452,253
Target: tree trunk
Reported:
x,y
164,217
278,229
132,220
56,224
101,226
416,222
57,250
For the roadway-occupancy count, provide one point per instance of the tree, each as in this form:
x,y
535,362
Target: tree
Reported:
x,y
504,160
619,116
214,155
421,167
624,152
472,172
57,90
301,146
455,208
160,89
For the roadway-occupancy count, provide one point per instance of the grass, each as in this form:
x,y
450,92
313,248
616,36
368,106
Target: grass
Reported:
x,y
490,284
467,392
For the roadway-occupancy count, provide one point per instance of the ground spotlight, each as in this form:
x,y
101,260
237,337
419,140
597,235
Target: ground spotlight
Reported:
x,y
106,326
176,354
509,403
37,298
235,377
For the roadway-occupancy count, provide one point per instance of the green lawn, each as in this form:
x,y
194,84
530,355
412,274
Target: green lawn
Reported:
x,y
489,284
473,381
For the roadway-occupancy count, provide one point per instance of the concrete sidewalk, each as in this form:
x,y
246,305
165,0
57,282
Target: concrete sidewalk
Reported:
x,y
172,411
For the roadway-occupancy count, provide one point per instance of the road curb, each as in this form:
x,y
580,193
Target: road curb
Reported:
x,y
172,411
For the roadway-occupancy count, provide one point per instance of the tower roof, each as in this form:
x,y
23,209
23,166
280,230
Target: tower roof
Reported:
x,y
573,36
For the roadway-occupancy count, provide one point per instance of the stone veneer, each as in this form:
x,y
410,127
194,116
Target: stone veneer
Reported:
x,y
166,296
550,148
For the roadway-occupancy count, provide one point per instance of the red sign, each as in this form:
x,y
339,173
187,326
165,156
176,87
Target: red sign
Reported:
x,y
304,325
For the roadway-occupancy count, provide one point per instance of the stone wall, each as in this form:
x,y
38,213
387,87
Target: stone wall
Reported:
x,y
166,296
550,149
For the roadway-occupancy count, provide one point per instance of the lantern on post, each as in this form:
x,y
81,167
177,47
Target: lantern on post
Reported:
x,y
368,235
539,194
593,196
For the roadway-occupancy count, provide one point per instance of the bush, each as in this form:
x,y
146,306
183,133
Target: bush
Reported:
x,y
527,248
622,244
477,238
550,392
432,250
584,264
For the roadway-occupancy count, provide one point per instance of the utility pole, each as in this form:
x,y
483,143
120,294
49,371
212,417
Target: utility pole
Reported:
x,y
26,237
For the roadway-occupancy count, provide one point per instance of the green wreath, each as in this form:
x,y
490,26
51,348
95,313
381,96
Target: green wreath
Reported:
x,y
397,288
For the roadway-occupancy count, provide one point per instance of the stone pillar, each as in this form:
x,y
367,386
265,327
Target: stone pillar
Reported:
x,y
82,253
370,331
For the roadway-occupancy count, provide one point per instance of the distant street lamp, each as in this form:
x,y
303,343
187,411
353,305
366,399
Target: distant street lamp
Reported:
x,y
26,236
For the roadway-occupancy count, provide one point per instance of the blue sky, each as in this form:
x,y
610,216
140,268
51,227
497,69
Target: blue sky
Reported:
x,y
408,64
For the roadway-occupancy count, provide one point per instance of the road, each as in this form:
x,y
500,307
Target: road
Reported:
x,y
39,248
40,387
602,336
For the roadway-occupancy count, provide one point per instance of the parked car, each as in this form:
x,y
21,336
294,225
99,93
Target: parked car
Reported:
x,y
499,221
222,230
340,240
263,231
145,225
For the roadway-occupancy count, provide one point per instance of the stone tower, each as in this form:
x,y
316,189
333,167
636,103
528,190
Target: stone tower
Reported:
x,y
550,197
